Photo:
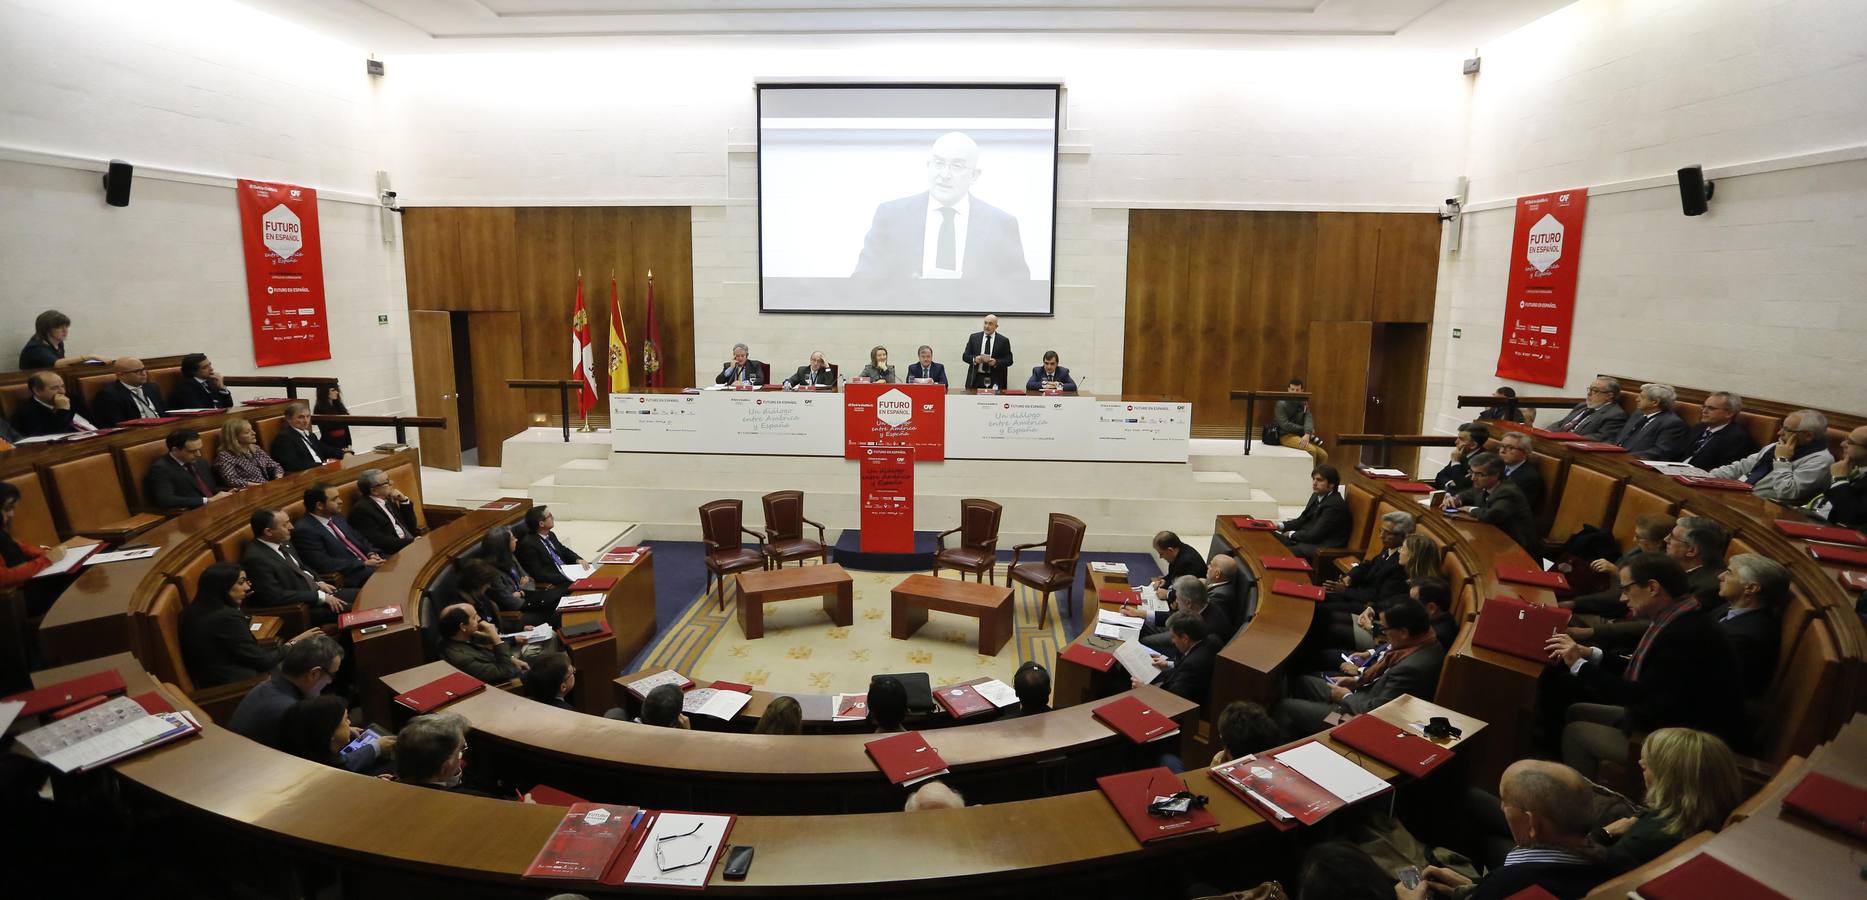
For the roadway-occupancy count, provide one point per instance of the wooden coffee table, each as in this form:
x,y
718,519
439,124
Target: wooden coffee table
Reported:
x,y
828,581
990,604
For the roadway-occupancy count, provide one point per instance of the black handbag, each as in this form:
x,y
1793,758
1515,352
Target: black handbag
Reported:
x,y
1272,434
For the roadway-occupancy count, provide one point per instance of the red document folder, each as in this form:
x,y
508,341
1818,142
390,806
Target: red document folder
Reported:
x,y
1283,797
1088,656
906,758
369,616
1809,531
1131,793
1716,484
623,556
585,842
1831,802
1854,581
53,696
443,690
1597,447
1518,627
1296,589
1392,744
154,703
962,701
1118,596
546,795
1411,487
593,583
1537,577
731,686
1291,563
1250,524
1705,876
1139,721
153,420
1839,556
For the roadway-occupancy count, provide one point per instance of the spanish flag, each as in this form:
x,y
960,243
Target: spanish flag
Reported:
x,y
618,342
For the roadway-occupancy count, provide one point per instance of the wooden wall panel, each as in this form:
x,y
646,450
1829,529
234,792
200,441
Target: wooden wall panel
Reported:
x,y
1347,246
1407,275
1338,382
499,412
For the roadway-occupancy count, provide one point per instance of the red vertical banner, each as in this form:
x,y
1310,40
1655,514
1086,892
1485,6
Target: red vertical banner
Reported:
x,y
1539,304
284,272
910,414
887,499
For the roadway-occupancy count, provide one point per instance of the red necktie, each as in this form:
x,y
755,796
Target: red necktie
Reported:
x,y
199,481
340,536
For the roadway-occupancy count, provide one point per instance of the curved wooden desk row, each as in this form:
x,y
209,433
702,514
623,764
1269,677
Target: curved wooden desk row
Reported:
x,y
405,836
92,617
82,382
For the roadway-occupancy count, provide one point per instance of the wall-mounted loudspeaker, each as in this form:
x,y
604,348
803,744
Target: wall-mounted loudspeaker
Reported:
x,y
1694,191
117,183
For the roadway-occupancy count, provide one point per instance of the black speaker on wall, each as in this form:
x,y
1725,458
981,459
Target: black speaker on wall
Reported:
x,y
117,183
1694,191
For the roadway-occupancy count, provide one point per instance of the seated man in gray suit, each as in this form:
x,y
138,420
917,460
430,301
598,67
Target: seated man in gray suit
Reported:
x,y
1410,666
1599,417
1496,501
1654,431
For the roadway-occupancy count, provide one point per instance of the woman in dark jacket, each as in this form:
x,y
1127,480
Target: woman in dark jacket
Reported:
x,y
330,402
217,635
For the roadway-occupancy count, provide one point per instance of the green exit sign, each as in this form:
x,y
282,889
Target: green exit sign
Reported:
x,y
382,320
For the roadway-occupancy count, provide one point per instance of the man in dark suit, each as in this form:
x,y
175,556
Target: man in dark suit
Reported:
x,y
280,577
1699,544
327,543
1519,469
1191,675
1378,578
1844,501
1456,476
945,232
1497,502
200,386
988,357
1325,521
1654,431
1222,591
924,370
1181,559
816,374
296,448
1410,666
1032,685
131,396
383,514
743,369
1717,440
1549,808
48,411
1751,592
179,479
1600,416
1683,673
1190,595
1050,373
540,552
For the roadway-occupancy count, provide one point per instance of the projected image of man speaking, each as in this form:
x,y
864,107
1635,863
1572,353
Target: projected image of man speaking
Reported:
x,y
946,231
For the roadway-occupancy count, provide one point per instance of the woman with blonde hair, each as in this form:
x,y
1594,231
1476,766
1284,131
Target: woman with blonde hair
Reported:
x,y
1692,786
242,462
1419,558
878,368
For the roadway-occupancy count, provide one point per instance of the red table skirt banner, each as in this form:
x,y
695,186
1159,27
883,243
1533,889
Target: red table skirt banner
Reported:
x,y
905,414
887,498
284,272
1539,304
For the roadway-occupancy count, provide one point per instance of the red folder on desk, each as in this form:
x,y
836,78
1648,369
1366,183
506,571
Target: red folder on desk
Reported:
x,y
1088,656
1118,596
1250,524
64,693
593,583
1716,484
369,616
1854,581
733,686
1518,627
1705,876
1139,721
1555,581
1132,792
585,842
1392,744
1809,531
1832,802
1411,487
962,701
546,795
1597,447
443,690
1283,797
1291,563
1839,556
906,758
1297,589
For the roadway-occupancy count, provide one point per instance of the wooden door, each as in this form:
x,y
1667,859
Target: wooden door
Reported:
x,y
431,343
1338,382
499,412
1397,387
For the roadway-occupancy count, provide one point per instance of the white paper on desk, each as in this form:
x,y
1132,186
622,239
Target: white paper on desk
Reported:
x,y
41,439
1111,617
717,387
73,556
1117,632
714,702
1109,568
1138,659
1332,771
1673,468
580,601
576,572
122,555
699,848
641,686
195,409
999,693
9,710
1380,472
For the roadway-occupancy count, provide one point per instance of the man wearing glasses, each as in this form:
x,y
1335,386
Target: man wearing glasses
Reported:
x,y
431,752
944,232
1795,468
131,397
1845,500
1600,416
1410,666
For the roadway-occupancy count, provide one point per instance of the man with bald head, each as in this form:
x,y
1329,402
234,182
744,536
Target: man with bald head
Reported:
x,y
1844,501
1549,808
131,397
813,375
987,356
1794,468
945,232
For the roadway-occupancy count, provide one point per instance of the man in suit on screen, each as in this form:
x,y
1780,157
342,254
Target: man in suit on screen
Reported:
x,y
944,232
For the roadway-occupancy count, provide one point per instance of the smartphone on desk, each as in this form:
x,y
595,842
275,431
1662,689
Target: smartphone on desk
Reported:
x,y
738,862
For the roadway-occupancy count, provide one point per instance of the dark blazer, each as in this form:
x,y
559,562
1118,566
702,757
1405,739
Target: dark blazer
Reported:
x,y
38,354
292,454
1530,480
1374,581
1506,508
1730,444
935,371
275,581
170,485
823,378
1001,352
536,561
1690,679
1847,500
1037,379
754,373
1191,677
190,393
218,645
1224,595
1418,675
898,234
1603,424
115,404
1664,436
1189,562
321,551
370,521
1567,881
34,419
8,433
1756,637
1325,522
1624,635
1455,478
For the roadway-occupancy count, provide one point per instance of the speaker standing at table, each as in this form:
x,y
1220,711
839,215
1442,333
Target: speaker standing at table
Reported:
x,y
743,369
1050,373
924,370
988,357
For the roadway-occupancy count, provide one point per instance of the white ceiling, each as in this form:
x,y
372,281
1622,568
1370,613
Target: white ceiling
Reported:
x,y
440,25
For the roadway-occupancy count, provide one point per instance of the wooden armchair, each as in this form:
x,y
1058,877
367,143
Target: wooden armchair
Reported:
x,y
1063,544
784,530
721,524
978,541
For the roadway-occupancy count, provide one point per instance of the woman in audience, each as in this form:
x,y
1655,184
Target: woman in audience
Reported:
x,y
242,462
217,640
782,716
878,368
515,589
315,728
1692,785
550,679
1245,728
1338,870
1419,558
46,349
23,561
330,402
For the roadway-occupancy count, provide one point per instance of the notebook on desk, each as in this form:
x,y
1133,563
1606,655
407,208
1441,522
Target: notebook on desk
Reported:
x,y
1830,801
1555,581
1392,744
1132,793
1705,876
1299,590
1518,627
1136,720
1088,656
906,758
1810,531
64,693
441,691
1839,556
1289,563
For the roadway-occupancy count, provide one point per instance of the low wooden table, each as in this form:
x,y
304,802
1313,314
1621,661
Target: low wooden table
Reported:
x,y
910,600
828,581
